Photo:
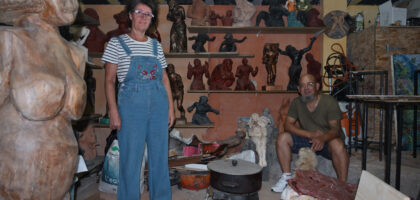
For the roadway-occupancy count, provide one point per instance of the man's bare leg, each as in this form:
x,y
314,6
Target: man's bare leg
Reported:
x,y
284,144
339,157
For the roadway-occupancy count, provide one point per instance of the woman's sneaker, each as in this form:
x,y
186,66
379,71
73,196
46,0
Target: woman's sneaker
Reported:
x,y
282,183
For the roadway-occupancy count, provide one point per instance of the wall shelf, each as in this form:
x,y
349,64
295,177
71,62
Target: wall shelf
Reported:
x,y
239,91
253,29
209,55
188,125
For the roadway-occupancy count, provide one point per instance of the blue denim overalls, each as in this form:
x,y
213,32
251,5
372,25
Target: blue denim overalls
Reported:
x,y
143,108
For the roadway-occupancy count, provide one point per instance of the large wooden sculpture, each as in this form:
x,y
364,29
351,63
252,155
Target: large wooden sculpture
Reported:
x,y
41,91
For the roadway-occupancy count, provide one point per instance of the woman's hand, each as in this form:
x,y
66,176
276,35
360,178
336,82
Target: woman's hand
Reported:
x,y
171,118
114,120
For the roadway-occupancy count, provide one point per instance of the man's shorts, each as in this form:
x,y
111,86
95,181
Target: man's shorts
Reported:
x,y
300,142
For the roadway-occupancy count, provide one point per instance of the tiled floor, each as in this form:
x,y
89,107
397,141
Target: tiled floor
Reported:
x,y
410,180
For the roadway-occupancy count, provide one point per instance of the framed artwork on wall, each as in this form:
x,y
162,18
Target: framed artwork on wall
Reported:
x,y
403,67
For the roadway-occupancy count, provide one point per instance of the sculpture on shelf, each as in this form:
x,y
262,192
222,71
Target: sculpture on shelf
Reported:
x,y
228,45
303,6
274,16
123,25
258,134
177,88
90,92
242,72
222,77
200,40
197,72
198,12
314,67
227,20
41,91
313,19
96,39
178,35
213,18
243,13
270,57
201,109
295,67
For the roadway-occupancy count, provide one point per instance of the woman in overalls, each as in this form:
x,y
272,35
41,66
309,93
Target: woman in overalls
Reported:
x,y
144,109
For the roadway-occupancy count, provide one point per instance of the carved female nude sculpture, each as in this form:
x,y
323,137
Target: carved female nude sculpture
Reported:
x,y
270,56
242,72
41,91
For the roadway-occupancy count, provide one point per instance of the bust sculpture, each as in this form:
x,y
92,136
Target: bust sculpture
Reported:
x,y
197,73
96,39
198,12
122,20
243,13
242,73
201,109
178,34
41,91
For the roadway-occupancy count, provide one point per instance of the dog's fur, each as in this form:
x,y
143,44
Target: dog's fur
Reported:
x,y
306,160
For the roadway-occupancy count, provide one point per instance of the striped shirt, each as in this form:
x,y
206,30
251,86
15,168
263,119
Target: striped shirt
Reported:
x,y
115,54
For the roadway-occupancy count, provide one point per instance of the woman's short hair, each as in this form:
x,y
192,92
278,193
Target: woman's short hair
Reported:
x,y
131,5
12,10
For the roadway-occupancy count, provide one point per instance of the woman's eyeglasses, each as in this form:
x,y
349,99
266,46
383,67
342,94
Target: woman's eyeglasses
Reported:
x,y
143,14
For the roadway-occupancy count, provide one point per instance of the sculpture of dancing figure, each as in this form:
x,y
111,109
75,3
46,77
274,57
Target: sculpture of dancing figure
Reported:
x,y
177,88
270,56
242,72
295,68
198,71
41,91
258,134
201,109
178,35
228,45
222,77
243,13
274,16
200,40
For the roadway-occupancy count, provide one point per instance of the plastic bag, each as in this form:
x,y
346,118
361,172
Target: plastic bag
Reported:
x,y
110,171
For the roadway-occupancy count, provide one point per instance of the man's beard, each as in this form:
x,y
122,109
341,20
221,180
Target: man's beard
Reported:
x,y
306,99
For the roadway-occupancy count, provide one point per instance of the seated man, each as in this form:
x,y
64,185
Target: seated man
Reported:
x,y
319,118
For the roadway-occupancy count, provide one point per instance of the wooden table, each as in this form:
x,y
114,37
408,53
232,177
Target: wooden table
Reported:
x,y
389,102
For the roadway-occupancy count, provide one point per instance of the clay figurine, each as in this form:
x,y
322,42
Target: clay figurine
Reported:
x,y
270,57
295,67
243,13
228,45
222,77
123,25
178,35
96,39
177,88
197,72
201,109
41,91
198,12
200,40
212,19
227,20
242,72
313,19
274,16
